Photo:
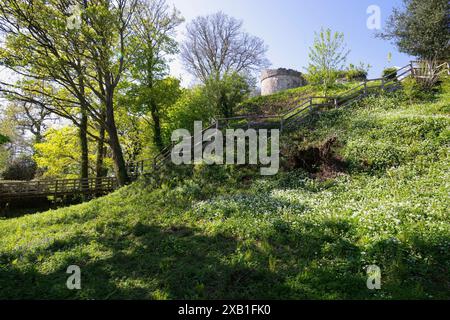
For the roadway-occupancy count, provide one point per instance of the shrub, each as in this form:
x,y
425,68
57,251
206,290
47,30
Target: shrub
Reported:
x,y
390,73
354,73
317,77
427,74
3,139
414,91
23,169
357,72
207,173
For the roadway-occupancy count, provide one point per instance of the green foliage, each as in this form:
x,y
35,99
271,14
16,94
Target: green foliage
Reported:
x,y
193,105
389,73
327,57
152,91
216,98
283,101
227,233
226,92
57,156
322,78
152,103
3,139
356,73
420,28
415,91
4,156
10,133
22,168
276,103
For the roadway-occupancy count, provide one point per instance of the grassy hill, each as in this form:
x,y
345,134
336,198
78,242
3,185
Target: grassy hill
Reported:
x,y
360,186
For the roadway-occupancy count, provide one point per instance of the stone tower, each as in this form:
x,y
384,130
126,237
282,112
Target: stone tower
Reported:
x,y
275,80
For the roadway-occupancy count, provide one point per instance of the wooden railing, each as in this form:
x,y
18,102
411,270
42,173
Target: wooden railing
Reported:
x,y
286,119
307,105
56,188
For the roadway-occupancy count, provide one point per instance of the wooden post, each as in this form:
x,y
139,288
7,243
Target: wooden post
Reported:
x,y
56,187
365,87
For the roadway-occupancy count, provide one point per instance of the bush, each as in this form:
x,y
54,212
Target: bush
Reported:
x,y
414,91
354,73
22,169
357,72
3,139
390,73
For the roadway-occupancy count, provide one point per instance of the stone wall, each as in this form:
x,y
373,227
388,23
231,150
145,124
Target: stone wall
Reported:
x,y
275,80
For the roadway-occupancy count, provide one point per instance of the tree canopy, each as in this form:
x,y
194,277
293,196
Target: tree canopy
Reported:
x,y
421,28
216,44
327,56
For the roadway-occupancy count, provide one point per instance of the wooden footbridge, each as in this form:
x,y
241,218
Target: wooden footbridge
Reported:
x,y
56,188
285,121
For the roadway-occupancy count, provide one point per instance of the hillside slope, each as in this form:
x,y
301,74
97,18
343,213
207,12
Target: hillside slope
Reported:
x,y
225,232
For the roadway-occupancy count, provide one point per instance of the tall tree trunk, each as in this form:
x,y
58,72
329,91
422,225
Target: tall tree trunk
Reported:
x,y
100,171
157,139
119,161
84,172
38,134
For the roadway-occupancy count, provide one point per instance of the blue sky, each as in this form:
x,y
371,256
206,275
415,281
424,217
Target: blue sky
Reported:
x,y
288,26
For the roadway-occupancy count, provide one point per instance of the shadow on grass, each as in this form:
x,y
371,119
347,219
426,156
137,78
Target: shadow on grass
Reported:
x,y
307,261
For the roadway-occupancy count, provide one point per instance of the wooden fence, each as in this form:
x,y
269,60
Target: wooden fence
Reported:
x,y
289,118
56,188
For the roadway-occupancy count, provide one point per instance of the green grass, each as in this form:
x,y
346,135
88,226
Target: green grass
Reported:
x,y
283,101
226,232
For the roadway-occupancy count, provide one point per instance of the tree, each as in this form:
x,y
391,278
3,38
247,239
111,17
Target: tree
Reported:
x,y
327,56
22,168
227,92
86,63
30,118
154,42
420,28
57,155
193,105
217,45
151,103
18,142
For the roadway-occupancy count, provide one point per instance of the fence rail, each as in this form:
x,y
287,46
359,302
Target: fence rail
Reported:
x,y
291,117
307,105
56,188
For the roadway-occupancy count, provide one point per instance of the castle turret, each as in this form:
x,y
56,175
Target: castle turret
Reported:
x,y
275,80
